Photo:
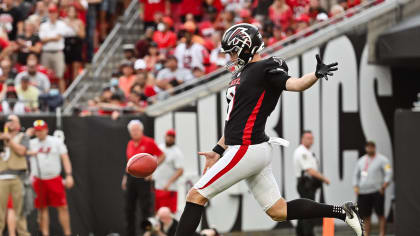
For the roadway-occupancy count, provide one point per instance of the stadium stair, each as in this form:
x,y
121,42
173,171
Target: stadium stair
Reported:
x,y
106,60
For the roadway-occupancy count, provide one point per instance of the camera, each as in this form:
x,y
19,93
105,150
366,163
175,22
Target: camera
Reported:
x,y
150,224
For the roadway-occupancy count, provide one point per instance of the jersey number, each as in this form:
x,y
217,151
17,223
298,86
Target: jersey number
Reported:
x,y
230,96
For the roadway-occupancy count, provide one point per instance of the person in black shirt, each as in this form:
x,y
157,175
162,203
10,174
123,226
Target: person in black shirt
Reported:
x,y
244,151
11,19
28,43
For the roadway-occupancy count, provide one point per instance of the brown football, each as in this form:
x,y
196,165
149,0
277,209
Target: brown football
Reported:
x,y
141,165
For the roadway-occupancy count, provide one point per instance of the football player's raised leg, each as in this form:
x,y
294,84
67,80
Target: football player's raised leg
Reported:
x,y
305,209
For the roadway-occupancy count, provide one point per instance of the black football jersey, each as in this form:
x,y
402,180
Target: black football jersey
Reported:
x,y
252,96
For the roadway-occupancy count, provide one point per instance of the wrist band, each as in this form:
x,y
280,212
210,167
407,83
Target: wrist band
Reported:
x,y
218,149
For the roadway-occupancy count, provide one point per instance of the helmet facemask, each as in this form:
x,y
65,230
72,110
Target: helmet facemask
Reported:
x,y
243,58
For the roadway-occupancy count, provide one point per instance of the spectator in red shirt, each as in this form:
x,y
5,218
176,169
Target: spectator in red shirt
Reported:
x,y
150,8
139,190
280,13
164,37
191,6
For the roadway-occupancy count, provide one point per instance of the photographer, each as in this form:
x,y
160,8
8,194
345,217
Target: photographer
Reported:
x,y
164,224
309,178
13,165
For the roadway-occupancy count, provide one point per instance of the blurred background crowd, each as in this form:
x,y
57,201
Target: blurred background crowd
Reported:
x,y
182,43
46,44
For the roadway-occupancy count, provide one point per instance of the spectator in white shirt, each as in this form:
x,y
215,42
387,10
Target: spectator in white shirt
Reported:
x,y
36,78
52,35
167,174
189,54
171,75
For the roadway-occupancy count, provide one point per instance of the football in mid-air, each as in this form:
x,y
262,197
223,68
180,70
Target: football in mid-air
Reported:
x,y
141,165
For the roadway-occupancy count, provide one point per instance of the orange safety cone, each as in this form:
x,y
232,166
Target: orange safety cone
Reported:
x,y
328,227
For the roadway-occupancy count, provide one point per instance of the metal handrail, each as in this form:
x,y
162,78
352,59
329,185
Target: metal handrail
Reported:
x,y
318,37
271,49
69,107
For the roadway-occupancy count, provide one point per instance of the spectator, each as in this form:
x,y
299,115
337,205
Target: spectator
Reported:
x,y
129,52
167,174
28,93
47,153
128,78
12,164
280,13
219,58
74,41
142,46
36,78
235,6
189,54
41,11
171,75
153,58
198,71
138,188
28,43
107,17
372,175
7,71
114,87
136,102
93,6
336,10
302,22
150,8
11,103
11,19
51,100
52,35
315,9
164,37
167,222
278,35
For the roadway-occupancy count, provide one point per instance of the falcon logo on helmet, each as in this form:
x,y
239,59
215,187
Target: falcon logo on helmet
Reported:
x,y
240,36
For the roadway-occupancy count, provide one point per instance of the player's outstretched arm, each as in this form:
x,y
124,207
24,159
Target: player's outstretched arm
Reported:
x,y
306,81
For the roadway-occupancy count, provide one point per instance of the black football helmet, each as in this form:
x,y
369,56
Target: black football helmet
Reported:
x,y
244,40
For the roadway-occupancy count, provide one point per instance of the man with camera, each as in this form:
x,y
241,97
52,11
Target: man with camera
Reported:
x,y
164,224
13,167
309,178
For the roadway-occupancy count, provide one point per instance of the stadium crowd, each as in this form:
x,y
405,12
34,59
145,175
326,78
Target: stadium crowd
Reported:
x,y
44,45
182,42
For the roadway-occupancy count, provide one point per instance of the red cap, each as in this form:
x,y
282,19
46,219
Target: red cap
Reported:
x,y
245,13
170,132
53,8
40,125
168,21
303,18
